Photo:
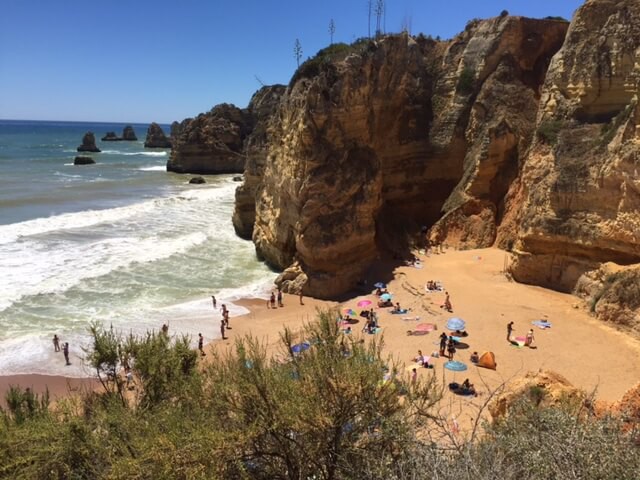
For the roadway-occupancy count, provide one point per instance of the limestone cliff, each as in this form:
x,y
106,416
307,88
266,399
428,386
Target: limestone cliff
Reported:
x,y
156,137
373,140
261,109
579,188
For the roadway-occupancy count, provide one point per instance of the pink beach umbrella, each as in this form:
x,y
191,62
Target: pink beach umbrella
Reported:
x,y
364,303
425,327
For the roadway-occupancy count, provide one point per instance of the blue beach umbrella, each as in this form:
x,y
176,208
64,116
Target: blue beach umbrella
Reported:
x,y
300,347
385,297
455,323
379,285
455,366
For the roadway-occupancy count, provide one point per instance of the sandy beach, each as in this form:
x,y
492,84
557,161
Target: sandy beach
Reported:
x,y
590,354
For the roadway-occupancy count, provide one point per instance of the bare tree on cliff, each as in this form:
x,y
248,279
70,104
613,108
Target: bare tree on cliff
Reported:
x,y
297,51
332,30
379,11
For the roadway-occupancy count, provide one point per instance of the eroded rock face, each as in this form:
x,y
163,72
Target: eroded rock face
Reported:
x,y
579,187
211,143
261,109
156,137
370,147
88,143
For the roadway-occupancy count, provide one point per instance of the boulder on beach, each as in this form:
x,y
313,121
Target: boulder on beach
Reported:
x,y
197,180
88,143
129,134
156,137
111,137
237,178
83,161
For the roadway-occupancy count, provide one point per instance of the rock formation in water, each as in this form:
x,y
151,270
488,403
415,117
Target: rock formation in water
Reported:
x,y
79,160
218,141
88,143
111,137
579,189
129,134
156,137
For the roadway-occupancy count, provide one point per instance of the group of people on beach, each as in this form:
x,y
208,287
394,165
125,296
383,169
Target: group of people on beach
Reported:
x,y
271,303
528,339
64,349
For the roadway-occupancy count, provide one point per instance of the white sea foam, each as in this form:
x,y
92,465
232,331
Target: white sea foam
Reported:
x,y
154,168
144,154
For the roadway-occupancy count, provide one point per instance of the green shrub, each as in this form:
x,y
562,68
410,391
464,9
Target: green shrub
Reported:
x,y
549,130
466,81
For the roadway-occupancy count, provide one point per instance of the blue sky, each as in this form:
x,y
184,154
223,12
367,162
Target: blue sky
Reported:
x,y
160,60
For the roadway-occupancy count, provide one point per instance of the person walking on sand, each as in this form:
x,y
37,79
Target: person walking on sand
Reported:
x,y
213,299
56,343
65,350
280,304
509,331
300,296
201,344
225,317
222,329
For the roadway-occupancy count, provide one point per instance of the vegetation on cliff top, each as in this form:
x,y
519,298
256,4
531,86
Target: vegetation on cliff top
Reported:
x,y
340,410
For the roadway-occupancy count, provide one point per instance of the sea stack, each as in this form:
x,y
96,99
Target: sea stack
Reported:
x,y
88,143
156,137
129,134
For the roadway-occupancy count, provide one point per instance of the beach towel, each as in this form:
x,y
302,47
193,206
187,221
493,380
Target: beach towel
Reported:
x,y
399,312
487,360
541,324
411,319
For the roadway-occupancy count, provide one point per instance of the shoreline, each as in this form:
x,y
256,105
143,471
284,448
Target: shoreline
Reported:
x,y
579,347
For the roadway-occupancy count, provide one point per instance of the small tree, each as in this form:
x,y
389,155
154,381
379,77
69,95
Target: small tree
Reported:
x,y
297,51
332,30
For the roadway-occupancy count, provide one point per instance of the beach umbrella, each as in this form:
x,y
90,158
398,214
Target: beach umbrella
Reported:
x,y
364,303
379,285
300,347
455,323
385,297
425,327
349,311
455,366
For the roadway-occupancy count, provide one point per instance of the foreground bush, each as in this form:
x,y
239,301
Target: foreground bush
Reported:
x,y
339,410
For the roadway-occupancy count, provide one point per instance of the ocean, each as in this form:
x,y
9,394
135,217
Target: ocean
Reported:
x,y
121,242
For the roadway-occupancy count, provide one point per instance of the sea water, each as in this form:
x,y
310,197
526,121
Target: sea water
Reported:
x,y
121,242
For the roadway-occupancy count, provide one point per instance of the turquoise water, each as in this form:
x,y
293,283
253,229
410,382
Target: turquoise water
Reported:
x,y
122,242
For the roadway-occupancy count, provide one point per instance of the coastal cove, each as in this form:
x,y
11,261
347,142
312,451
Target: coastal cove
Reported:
x,y
121,242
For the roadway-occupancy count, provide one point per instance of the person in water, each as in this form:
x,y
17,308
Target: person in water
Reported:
x,y
56,343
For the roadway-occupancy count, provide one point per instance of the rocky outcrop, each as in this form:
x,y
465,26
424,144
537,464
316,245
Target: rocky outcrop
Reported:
x,y
369,145
197,180
579,188
544,388
88,143
156,137
111,137
211,143
79,160
129,134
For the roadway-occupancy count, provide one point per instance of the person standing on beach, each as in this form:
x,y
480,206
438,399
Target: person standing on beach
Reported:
x,y
509,331
443,343
225,317
65,350
529,339
280,304
272,300
213,299
201,344
414,376
300,296
56,343
222,329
